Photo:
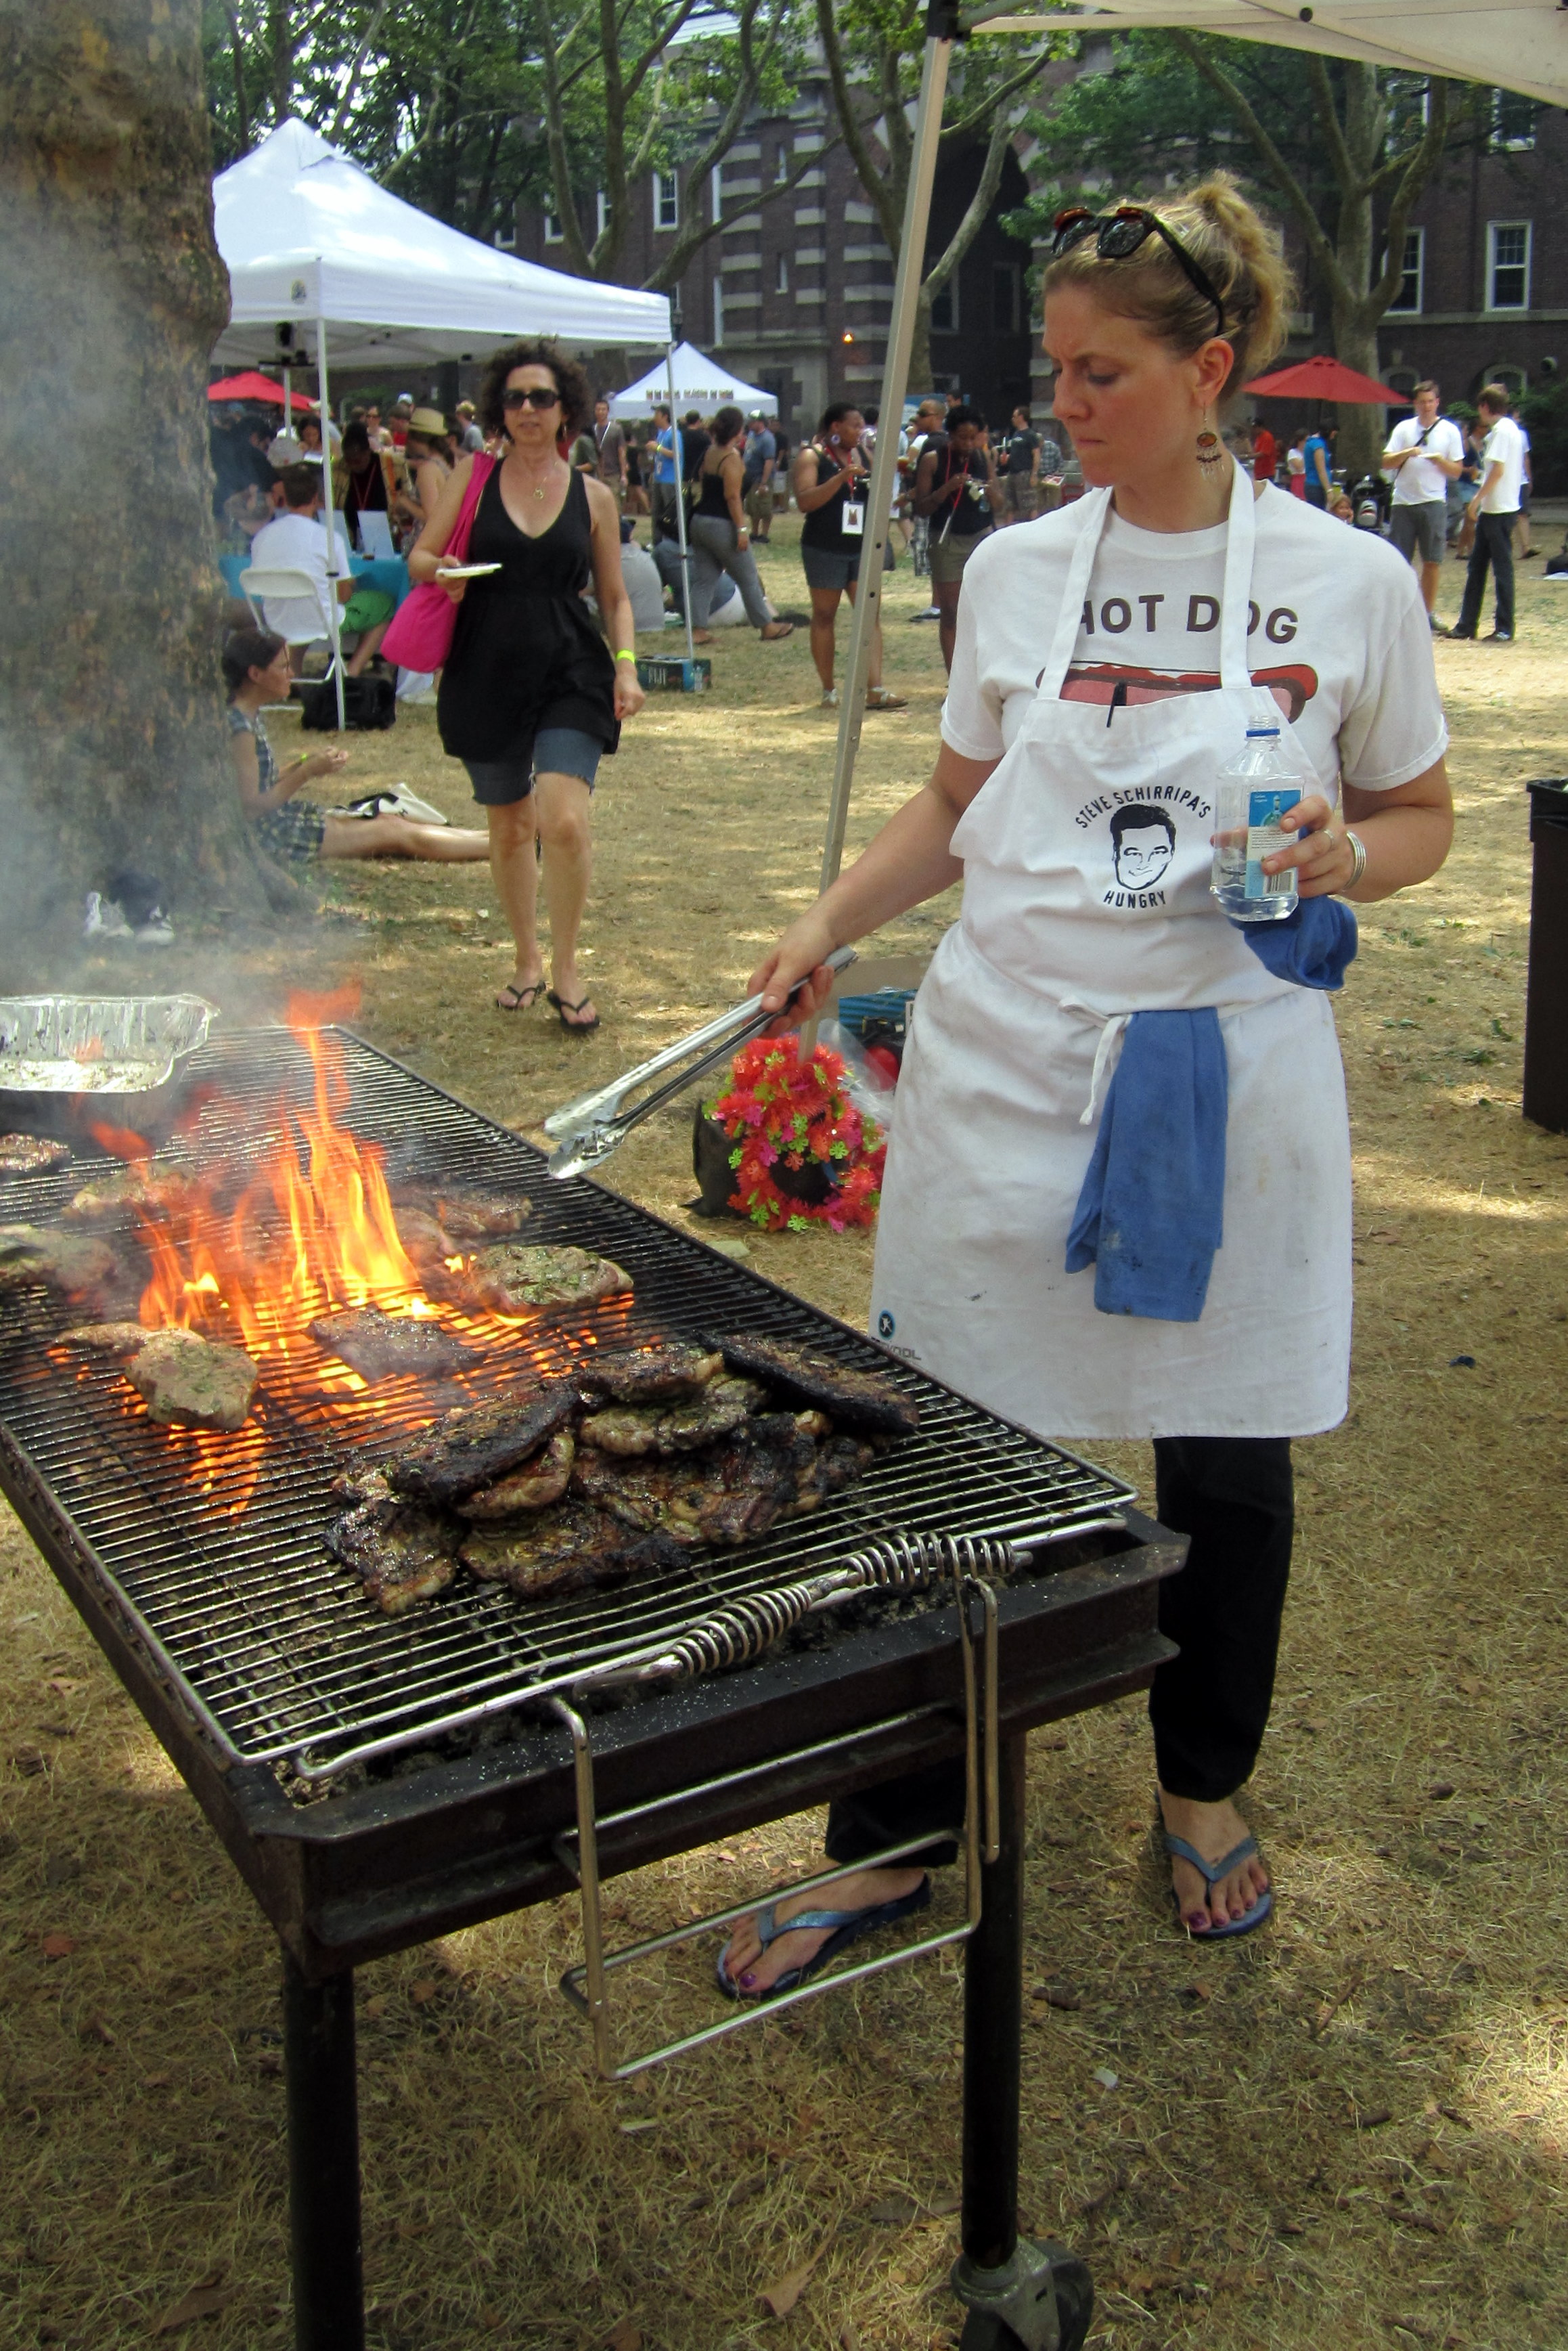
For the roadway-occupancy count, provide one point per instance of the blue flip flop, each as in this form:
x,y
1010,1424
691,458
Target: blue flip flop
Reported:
x,y
848,1926
1211,1872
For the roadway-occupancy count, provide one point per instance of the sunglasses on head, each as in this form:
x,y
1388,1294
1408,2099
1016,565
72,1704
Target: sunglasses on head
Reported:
x,y
1120,235
538,395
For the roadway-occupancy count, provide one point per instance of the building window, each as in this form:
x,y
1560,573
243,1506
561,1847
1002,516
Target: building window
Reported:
x,y
666,201
506,237
781,168
1006,297
1409,295
1512,122
945,308
1508,266
716,192
601,213
554,234
781,285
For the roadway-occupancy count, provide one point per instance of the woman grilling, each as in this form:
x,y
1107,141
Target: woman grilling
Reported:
x,y
1108,662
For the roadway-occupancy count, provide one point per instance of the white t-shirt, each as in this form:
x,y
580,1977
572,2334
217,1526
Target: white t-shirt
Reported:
x,y
1418,482
1339,634
1505,445
1295,461
296,542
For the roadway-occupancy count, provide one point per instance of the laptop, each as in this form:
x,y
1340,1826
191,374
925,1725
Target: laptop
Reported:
x,y
375,535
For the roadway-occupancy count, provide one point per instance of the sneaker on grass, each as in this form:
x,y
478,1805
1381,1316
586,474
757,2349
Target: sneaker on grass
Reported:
x,y
104,918
157,931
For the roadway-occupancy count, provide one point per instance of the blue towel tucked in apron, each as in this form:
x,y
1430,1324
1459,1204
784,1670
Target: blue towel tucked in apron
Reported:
x,y
1148,1218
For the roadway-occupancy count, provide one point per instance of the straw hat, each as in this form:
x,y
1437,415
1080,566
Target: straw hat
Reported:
x,y
428,421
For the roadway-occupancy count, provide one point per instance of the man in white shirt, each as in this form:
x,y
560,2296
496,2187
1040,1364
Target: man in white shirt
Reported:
x,y
1425,453
296,542
1494,510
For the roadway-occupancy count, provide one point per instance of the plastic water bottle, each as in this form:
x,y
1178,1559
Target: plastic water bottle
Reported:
x,y
1252,793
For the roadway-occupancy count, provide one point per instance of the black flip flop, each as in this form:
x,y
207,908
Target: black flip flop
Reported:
x,y
572,1027
523,999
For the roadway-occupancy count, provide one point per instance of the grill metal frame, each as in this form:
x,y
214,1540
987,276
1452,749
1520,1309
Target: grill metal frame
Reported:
x,y
277,1652
446,1834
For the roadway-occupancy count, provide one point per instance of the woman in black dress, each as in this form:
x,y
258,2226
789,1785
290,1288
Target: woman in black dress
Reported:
x,y
532,695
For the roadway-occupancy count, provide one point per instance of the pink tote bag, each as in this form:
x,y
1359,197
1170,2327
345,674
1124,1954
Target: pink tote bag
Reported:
x,y
421,632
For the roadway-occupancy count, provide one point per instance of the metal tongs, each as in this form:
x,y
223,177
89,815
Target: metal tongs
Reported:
x,y
588,1130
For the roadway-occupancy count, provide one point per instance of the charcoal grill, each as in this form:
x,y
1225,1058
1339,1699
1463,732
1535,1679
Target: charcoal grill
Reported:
x,y
379,1781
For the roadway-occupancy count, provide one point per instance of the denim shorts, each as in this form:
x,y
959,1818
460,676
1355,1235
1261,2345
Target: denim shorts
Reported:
x,y
557,751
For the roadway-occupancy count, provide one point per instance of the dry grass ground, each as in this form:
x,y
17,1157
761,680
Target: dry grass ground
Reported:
x,y
1348,2132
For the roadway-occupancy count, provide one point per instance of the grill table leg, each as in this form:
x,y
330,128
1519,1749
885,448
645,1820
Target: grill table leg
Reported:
x,y
323,2162
1020,2296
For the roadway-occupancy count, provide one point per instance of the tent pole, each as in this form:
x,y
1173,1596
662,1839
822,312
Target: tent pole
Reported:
x,y
680,508
885,464
333,574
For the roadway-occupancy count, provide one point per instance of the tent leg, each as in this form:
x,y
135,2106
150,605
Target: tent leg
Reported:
x,y
328,516
884,468
680,510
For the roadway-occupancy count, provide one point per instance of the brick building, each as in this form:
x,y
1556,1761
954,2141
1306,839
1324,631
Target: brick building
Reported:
x,y
1485,292
795,291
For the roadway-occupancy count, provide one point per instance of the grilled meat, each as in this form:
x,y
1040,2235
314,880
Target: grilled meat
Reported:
x,y
108,1338
134,1184
631,1430
652,1374
423,1239
511,1278
379,1345
360,1486
857,1400
402,1553
192,1383
539,1482
69,1261
838,1463
565,1550
465,1213
474,1446
31,1155
730,1495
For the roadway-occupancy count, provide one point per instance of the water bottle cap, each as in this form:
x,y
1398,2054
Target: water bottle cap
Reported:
x,y
1261,730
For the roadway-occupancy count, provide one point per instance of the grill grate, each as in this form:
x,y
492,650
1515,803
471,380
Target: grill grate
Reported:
x,y
215,1541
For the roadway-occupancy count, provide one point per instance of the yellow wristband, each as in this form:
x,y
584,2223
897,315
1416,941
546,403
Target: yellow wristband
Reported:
x,y
630,657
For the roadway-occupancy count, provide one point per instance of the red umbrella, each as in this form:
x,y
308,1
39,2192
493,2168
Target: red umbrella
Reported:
x,y
1326,378
253,385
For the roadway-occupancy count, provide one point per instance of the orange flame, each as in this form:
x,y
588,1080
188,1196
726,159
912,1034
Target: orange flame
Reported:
x,y
302,1239
122,1140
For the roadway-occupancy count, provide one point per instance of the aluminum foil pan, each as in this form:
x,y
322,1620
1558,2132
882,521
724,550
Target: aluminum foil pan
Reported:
x,y
97,1044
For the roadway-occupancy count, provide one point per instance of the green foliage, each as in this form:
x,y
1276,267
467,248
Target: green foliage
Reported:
x,y
1543,411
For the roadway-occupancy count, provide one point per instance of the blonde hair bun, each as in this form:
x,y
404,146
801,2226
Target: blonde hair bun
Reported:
x,y
1240,253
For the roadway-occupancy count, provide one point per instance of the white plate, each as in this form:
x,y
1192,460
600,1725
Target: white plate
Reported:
x,y
465,570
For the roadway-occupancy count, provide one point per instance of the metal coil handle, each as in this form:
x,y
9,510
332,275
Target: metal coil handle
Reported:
x,y
739,1633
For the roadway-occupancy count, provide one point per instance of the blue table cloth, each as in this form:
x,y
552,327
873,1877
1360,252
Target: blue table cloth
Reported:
x,y
390,573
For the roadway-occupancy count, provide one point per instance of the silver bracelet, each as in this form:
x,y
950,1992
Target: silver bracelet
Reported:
x,y
1359,852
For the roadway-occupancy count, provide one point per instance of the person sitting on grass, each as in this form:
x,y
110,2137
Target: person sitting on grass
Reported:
x,y
294,831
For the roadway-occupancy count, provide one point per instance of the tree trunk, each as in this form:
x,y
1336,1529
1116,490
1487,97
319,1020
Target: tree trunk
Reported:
x,y
112,749
920,344
1362,433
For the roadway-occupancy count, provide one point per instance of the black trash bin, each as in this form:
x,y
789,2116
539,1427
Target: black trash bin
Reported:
x,y
1546,997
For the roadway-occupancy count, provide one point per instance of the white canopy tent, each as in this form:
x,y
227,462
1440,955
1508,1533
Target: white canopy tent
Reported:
x,y
310,240
313,243
689,379
1519,45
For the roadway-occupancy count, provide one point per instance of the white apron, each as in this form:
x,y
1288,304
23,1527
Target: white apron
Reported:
x,y
1086,862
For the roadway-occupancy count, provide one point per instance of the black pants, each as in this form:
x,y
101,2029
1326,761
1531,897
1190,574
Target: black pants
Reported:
x,y
1494,546
1210,1707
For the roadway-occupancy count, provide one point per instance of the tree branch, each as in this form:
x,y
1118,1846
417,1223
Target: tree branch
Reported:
x,y
1346,170
237,53
980,206
877,183
994,99
1420,165
1318,245
350,87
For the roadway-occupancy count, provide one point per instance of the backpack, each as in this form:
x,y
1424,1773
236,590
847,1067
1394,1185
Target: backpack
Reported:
x,y
370,704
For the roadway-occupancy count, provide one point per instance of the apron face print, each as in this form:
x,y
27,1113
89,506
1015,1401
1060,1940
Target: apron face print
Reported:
x,y
1088,852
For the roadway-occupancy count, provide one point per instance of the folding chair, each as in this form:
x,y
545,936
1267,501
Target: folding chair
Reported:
x,y
258,582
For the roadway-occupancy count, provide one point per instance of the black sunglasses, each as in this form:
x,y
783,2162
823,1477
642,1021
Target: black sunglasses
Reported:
x,y
1121,235
538,395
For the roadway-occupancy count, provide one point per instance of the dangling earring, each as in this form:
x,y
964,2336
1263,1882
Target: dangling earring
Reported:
x,y
1210,449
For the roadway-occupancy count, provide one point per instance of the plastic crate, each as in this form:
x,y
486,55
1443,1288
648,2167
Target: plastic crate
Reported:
x,y
886,1012
674,670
